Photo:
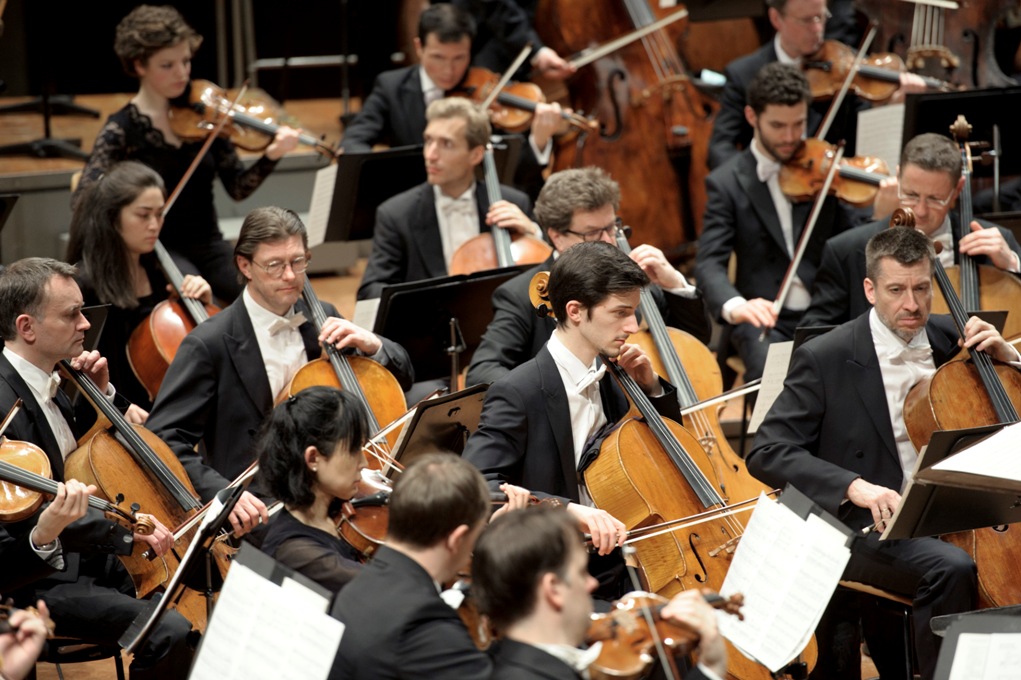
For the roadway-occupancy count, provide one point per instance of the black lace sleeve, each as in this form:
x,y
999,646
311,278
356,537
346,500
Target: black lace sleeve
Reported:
x,y
326,567
239,181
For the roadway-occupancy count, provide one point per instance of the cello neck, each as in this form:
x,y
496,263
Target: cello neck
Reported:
x,y
679,457
969,269
39,484
501,237
196,310
341,367
126,435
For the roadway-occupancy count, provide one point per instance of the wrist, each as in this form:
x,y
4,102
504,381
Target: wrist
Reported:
x,y
36,539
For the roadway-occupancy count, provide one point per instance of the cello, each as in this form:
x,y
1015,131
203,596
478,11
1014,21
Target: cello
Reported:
x,y
980,286
496,248
154,342
964,394
657,138
650,469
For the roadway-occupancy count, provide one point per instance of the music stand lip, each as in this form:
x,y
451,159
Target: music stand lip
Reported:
x,y
417,315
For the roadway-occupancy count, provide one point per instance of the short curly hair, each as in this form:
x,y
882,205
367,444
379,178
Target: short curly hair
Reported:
x,y
146,30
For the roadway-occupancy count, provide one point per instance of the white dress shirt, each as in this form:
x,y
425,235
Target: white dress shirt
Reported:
x,y
946,255
38,382
283,352
430,92
458,219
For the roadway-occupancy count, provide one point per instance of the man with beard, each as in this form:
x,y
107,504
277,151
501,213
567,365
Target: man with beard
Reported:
x,y
748,216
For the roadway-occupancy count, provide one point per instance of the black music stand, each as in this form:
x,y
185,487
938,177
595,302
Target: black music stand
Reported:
x,y
978,623
441,425
418,315
7,202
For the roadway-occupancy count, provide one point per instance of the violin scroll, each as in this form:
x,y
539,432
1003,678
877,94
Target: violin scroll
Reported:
x,y
902,217
538,293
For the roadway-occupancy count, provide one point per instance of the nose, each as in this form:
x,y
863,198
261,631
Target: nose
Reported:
x,y
631,325
591,583
83,322
431,150
608,236
911,303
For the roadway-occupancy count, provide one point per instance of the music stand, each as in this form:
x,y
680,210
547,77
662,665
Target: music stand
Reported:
x,y
7,202
418,315
441,425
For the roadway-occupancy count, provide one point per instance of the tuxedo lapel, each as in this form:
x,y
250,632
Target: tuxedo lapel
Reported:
x,y
558,414
309,335
38,427
243,350
868,383
482,205
760,198
412,102
427,234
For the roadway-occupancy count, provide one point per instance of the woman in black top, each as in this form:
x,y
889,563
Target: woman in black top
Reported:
x,y
155,45
113,232
310,458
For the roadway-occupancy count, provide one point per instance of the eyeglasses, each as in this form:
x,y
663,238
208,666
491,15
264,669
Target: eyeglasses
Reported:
x,y
913,199
812,20
595,234
275,269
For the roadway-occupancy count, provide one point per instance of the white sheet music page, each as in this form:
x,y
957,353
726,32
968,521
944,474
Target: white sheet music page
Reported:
x,y
787,569
778,359
260,631
987,656
880,133
322,201
994,456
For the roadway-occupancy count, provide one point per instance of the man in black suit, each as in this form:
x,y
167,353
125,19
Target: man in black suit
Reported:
x,y
748,217
228,371
574,206
542,423
799,28
928,182
397,624
418,231
64,554
394,112
837,432
530,577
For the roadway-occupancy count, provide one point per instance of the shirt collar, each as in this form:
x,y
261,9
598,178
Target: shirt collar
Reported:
x,y
260,316
568,362
888,343
782,56
942,232
426,81
37,379
468,195
578,659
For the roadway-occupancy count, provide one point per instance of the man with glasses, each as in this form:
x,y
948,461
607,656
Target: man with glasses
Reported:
x,y
418,231
750,220
929,181
576,206
799,25
229,371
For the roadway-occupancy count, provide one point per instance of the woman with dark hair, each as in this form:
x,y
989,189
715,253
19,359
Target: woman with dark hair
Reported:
x,y
113,233
155,45
310,458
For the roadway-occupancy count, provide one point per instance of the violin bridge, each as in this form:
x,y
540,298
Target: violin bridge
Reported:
x,y
729,547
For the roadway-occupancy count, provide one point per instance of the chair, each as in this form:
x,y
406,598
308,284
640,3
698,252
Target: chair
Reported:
x,y
898,605
63,650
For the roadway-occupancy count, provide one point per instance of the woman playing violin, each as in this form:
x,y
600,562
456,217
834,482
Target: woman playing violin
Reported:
x,y
530,575
310,456
114,230
155,45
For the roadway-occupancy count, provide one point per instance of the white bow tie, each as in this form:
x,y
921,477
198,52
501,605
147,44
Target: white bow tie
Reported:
x,y
464,205
53,384
911,355
593,376
290,322
766,169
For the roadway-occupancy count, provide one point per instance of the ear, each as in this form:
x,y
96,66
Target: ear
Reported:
x,y
960,186
476,155
244,266
749,115
551,590
870,291
559,240
418,48
575,311
774,18
312,457
457,537
25,326
139,68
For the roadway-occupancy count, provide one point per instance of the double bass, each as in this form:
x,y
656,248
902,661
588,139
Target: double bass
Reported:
x,y
656,123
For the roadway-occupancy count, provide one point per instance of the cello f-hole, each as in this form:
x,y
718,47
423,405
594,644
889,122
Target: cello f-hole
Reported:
x,y
619,75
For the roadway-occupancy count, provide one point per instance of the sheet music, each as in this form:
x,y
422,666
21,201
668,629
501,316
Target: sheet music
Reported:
x,y
322,201
365,313
880,133
260,631
787,568
778,359
994,456
981,656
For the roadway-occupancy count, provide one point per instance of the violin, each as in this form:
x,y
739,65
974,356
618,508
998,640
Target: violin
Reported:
x,y
628,639
497,248
876,80
856,182
251,125
513,107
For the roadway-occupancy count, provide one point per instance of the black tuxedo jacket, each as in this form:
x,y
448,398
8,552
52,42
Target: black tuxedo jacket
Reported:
x,y
741,219
406,242
731,132
517,333
830,424
513,660
524,435
393,113
91,534
838,294
216,391
398,627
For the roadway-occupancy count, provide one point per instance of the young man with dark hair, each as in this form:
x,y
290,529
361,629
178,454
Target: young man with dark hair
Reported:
x,y
837,432
749,217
